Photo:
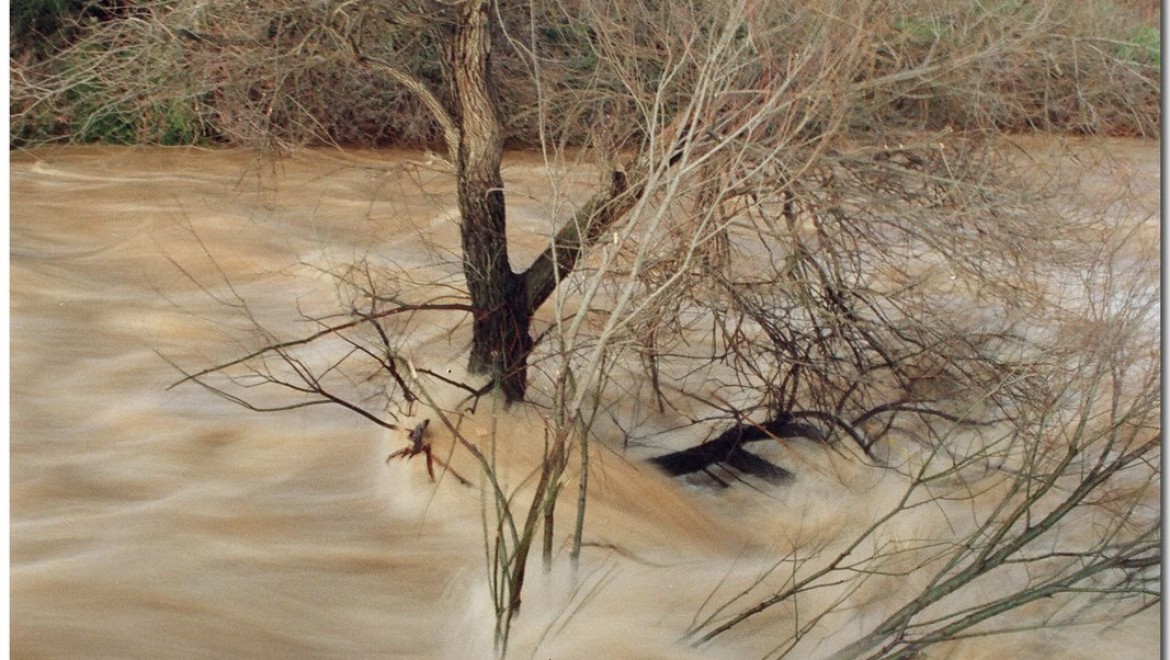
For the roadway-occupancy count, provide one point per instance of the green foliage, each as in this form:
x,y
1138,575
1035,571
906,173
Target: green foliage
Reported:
x,y
1144,47
40,25
95,121
919,31
170,123
88,116
182,125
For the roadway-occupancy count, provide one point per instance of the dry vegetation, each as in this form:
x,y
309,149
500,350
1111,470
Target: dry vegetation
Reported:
x,y
290,73
803,221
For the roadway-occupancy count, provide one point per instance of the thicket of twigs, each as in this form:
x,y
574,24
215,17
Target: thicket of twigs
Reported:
x,y
179,71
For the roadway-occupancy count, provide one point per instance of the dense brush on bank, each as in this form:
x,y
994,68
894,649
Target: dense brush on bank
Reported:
x,y
288,73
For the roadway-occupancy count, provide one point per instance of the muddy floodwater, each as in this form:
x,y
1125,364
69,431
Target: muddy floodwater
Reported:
x,y
149,522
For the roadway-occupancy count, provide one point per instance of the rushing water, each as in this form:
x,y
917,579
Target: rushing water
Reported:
x,y
151,522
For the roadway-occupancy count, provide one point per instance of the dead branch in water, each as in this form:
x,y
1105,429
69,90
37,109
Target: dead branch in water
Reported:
x,y
728,449
420,445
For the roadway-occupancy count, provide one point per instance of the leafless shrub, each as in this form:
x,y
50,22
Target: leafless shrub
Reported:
x,y
768,237
290,73
1066,514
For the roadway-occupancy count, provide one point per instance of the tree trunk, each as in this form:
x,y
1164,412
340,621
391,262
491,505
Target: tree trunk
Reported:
x,y
500,340
506,300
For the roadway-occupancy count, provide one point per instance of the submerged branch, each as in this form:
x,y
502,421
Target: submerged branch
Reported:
x,y
728,448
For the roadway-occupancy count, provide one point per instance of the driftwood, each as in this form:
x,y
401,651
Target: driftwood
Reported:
x,y
727,449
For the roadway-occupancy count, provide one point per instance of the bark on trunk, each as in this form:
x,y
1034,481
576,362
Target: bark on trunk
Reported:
x,y
586,228
501,340
506,300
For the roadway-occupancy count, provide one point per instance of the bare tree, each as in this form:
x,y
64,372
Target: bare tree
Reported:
x,y
1059,506
756,98
786,228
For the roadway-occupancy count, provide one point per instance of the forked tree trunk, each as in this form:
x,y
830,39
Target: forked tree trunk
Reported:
x,y
501,340
506,300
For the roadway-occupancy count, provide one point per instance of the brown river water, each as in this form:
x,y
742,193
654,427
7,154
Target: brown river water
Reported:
x,y
149,522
